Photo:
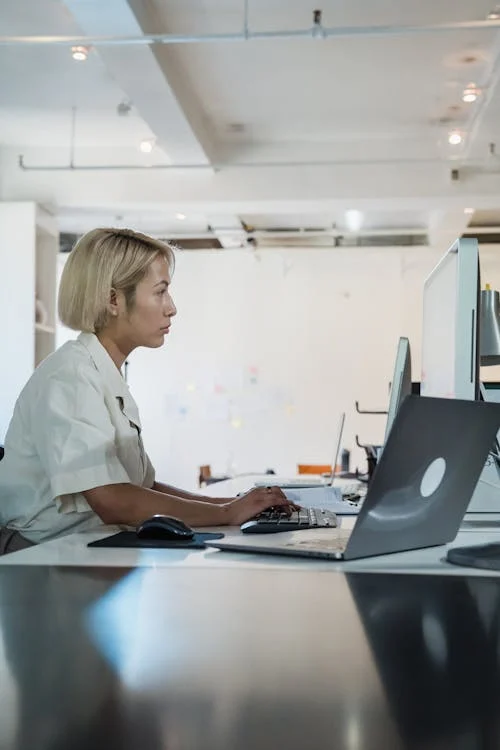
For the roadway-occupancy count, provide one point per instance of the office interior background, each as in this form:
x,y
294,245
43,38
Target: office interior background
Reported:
x,y
311,162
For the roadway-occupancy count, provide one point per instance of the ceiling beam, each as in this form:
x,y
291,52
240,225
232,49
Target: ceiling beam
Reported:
x,y
150,78
445,226
229,230
237,192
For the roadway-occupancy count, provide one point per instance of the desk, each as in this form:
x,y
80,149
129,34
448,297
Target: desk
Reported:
x,y
73,550
240,659
191,649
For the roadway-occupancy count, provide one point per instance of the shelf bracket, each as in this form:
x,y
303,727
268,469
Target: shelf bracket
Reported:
x,y
368,411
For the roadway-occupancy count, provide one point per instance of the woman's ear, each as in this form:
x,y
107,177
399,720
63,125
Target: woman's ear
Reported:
x,y
113,303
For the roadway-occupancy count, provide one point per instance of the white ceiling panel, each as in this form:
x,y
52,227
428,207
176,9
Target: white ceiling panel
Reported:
x,y
346,106
334,90
209,16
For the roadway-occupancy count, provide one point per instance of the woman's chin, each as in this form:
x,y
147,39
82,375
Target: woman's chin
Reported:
x,y
154,342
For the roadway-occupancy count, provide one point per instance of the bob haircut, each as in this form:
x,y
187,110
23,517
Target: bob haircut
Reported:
x,y
102,260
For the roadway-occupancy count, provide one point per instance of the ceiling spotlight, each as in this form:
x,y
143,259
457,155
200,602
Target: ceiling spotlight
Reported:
x,y
494,15
354,220
470,93
181,217
455,138
79,53
468,211
147,145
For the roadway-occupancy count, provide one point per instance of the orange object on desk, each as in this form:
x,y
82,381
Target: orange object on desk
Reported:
x,y
315,468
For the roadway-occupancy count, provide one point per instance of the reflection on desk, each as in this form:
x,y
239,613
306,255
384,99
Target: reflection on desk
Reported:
x,y
436,647
243,659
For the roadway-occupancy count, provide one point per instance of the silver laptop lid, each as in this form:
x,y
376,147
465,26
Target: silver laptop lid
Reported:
x,y
337,448
425,478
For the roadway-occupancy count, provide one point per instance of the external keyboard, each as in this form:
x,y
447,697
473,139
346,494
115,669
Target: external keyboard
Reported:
x,y
273,520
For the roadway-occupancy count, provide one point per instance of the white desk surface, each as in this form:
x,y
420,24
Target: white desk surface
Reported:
x,y
73,550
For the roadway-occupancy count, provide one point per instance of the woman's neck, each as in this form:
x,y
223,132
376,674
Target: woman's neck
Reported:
x,y
117,350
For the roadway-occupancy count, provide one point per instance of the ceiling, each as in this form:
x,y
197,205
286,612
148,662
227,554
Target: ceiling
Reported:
x,y
286,132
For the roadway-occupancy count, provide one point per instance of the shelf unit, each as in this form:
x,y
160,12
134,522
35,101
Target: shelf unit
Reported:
x,y
46,249
29,245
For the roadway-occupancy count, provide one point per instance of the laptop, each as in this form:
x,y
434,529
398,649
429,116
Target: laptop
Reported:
x,y
313,482
419,492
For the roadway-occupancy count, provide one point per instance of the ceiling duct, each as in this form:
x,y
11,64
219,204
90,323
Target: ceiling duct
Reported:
x,y
316,31
283,237
67,241
194,243
489,237
401,238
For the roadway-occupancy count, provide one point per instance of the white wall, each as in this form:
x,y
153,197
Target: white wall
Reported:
x,y
268,349
319,326
17,303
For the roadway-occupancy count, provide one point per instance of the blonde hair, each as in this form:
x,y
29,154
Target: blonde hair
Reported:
x,y
102,260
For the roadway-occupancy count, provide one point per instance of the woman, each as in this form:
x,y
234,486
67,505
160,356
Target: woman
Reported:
x,y
74,457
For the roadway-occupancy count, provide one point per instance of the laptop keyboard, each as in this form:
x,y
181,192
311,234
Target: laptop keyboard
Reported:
x,y
273,520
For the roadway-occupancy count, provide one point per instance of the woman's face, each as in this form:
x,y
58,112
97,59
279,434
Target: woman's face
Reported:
x,y
148,321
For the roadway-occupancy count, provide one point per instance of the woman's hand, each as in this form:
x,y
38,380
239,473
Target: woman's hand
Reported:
x,y
254,501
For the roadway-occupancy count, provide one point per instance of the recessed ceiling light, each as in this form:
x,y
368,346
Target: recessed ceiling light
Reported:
x,y
455,138
147,145
79,53
494,15
354,219
468,211
470,93
181,217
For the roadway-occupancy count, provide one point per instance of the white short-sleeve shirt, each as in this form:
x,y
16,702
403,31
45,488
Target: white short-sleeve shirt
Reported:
x,y
75,426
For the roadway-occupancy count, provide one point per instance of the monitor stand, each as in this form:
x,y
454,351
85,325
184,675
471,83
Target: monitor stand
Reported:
x,y
486,497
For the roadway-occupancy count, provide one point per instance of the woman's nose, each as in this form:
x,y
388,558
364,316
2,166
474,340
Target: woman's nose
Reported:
x,y
172,310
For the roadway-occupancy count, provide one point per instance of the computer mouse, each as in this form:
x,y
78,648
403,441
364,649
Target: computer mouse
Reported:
x,y
164,527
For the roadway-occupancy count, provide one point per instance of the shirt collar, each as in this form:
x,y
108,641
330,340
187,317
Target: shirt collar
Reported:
x,y
104,364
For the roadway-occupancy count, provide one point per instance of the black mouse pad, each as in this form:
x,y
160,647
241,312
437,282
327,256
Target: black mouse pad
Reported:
x,y
130,539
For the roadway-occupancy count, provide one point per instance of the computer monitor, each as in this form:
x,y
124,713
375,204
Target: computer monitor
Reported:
x,y
450,336
400,384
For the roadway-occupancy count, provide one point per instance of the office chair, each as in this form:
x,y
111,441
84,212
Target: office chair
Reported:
x,y
205,476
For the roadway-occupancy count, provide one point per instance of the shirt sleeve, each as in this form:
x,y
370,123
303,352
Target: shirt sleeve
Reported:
x,y
74,436
149,475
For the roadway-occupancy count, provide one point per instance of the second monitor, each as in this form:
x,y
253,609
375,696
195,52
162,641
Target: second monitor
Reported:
x,y
450,335
401,382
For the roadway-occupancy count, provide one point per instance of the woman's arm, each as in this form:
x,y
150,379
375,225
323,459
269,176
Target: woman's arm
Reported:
x,y
131,505
166,489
